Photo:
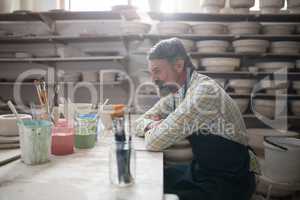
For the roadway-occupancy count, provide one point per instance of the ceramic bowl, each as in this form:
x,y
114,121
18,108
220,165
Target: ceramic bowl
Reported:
x,y
285,47
8,124
219,62
240,10
264,107
209,29
212,46
135,28
90,76
188,44
296,86
251,46
242,104
294,10
173,28
244,28
242,3
295,105
293,3
242,86
278,29
271,4
216,3
274,66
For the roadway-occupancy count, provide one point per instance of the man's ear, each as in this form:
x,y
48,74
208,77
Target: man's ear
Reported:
x,y
179,65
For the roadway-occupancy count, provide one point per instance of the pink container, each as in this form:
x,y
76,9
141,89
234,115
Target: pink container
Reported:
x,y
62,139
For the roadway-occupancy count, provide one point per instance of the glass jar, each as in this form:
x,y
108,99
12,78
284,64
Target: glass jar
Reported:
x,y
122,163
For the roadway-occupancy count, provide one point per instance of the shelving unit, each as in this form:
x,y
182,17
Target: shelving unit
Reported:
x,y
69,59
50,18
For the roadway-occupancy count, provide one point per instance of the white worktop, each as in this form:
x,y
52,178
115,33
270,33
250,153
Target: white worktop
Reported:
x,y
82,176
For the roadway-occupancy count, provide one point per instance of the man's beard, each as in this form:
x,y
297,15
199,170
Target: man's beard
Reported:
x,y
166,88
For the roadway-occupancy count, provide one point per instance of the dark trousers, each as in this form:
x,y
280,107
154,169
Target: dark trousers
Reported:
x,y
219,171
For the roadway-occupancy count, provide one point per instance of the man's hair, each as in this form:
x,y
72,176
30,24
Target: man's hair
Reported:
x,y
170,50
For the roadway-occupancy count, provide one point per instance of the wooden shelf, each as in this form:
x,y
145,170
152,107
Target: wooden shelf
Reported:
x,y
10,83
120,37
38,16
59,39
265,96
229,37
282,17
249,55
70,59
248,75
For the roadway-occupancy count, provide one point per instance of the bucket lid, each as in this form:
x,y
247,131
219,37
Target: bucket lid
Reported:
x,y
287,143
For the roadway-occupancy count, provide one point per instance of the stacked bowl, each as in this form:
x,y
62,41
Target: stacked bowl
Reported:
x,y
188,44
244,28
278,29
212,46
264,107
212,6
242,103
242,86
220,64
293,6
241,6
270,6
209,29
274,66
296,86
135,28
285,47
272,86
251,46
295,105
173,28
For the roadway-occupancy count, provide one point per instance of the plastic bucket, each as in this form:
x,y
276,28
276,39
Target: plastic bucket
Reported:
x,y
282,163
35,141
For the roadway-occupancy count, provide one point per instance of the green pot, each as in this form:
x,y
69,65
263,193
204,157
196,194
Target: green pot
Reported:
x,y
85,141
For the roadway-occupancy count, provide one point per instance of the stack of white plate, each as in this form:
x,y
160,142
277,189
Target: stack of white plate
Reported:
x,y
220,64
242,103
173,28
251,46
272,86
296,86
135,28
296,107
264,107
90,76
71,77
241,6
244,28
242,86
188,44
278,29
212,6
209,29
293,6
274,66
212,46
270,6
285,47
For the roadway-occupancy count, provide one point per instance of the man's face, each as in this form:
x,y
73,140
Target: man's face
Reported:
x,y
165,75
